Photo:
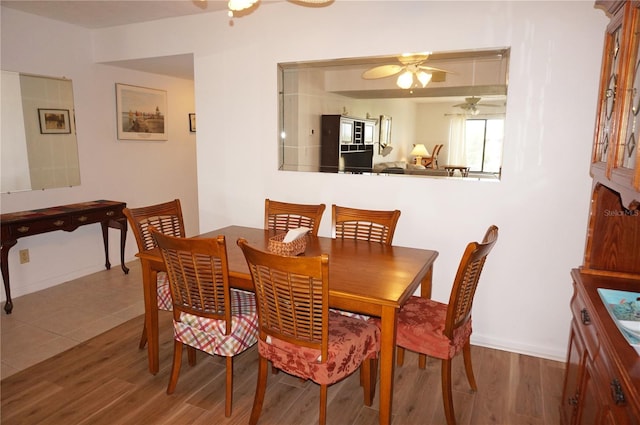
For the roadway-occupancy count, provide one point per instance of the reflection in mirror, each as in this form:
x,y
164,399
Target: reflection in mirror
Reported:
x,y
38,146
329,109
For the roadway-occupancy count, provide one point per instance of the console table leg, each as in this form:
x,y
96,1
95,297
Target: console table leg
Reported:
x,y
123,240
4,265
105,239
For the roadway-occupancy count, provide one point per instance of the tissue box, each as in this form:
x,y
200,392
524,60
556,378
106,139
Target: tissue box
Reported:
x,y
290,249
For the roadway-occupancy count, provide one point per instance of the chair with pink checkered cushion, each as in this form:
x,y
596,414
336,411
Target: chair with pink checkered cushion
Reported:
x,y
444,330
299,335
207,314
167,218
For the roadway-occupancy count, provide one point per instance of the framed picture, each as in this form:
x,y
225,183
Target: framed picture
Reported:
x,y
192,123
54,121
141,113
385,131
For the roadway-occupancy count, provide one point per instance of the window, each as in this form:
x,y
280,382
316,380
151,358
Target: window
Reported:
x,y
484,139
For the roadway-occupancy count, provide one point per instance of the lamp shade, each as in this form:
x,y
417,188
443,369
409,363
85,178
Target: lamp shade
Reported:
x,y
405,80
237,5
424,77
419,150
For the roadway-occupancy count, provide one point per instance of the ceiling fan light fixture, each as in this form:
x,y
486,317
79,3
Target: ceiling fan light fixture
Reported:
x,y
424,78
405,80
238,5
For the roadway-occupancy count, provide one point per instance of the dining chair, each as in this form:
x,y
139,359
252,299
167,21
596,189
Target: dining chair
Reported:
x,y
299,335
208,315
167,218
285,216
443,330
432,161
367,225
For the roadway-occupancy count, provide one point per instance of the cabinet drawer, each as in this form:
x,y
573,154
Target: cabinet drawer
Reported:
x,y
586,327
26,229
95,216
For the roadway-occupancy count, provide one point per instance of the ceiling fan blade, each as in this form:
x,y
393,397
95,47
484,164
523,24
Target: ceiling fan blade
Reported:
x,y
432,69
381,71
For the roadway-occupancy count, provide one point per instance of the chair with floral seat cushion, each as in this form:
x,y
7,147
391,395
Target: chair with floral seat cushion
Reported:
x,y
284,216
367,225
208,315
442,330
167,218
298,334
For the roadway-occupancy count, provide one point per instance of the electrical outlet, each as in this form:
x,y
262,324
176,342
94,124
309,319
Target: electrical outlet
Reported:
x,y
24,256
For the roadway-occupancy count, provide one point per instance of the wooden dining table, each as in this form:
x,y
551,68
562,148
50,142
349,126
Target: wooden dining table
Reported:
x,y
364,277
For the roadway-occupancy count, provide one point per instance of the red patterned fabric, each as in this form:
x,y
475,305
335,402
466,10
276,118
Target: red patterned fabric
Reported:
x,y
209,336
350,342
421,326
164,292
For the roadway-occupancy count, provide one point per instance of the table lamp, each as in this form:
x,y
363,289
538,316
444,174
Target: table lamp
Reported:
x,y
419,151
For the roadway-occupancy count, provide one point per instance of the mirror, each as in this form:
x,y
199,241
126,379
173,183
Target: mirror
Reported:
x,y
39,149
329,109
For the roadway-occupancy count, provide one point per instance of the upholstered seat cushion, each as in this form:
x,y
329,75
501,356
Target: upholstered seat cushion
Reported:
x,y
350,314
164,292
350,342
209,336
421,326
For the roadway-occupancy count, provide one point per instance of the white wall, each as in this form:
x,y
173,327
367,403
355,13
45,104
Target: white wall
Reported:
x,y
540,205
138,173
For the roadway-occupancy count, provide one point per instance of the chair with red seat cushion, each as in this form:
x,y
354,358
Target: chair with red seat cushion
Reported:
x,y
208,315
299,335
166,218
444,330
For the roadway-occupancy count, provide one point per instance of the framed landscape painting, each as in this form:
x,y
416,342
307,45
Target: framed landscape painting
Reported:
x,y
141,113
54,121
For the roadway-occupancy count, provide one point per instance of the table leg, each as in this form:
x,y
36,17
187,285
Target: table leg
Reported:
x,y
4,265
387,359
425,292
149,283
105,240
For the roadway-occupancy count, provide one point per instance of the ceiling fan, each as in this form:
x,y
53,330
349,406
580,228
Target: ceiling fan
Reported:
x,y
411,68
471,105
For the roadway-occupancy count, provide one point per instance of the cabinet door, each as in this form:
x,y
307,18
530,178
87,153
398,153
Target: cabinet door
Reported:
x,y
573,372
592,410
609,79
625,156
346,130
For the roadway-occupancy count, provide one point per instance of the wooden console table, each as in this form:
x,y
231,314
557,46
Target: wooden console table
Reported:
x,y
464,170
65,217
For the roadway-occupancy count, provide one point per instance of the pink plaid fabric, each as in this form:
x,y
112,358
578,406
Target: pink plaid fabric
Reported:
x,y
351,341
209,335
164,292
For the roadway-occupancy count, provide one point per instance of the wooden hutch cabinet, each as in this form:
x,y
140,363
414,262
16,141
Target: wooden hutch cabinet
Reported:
x,y
602,375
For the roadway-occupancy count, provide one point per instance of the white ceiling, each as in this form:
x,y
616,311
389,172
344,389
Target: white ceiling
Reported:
x,y
95,14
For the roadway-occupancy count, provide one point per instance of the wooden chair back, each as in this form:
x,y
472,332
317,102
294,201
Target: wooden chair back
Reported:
x,y
292,296
284,216
165,217
198,275
466,281
368,225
